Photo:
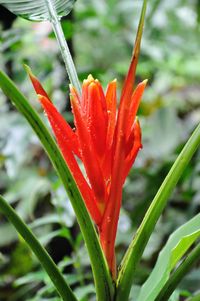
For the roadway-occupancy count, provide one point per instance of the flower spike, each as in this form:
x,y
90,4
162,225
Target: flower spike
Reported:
x,y
106,140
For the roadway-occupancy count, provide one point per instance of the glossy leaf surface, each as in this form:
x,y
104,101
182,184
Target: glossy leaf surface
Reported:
x,y
177,245
37,10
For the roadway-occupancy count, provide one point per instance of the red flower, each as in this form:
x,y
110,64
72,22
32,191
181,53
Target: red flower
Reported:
x,y
106,140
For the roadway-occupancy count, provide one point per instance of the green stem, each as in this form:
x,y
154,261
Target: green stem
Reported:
x,y
42,255
138,244
178,275
69,64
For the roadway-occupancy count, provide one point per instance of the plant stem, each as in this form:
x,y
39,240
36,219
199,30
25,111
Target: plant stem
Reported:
x,y
46,261
67,58
178,275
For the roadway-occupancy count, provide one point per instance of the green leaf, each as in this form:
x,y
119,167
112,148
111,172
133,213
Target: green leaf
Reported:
x,y
102,277
139,242
44,258
37,10
176,277
178,244
194,298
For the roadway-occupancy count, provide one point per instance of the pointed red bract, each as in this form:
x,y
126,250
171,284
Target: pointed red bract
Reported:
x,y
98,119
36,84
111,103
133,106
135,145
59,125
88,153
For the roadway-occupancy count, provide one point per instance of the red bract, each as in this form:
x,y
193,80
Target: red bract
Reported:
x,y
106,140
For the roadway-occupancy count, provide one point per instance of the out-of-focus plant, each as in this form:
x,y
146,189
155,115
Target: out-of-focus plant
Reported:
x,y
99,128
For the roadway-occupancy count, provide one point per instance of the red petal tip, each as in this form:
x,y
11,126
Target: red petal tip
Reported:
x,y
35,82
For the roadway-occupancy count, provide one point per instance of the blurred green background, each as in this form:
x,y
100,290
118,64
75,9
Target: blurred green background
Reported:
x,y
101,36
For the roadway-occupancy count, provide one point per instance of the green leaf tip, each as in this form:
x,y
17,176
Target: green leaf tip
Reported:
x,y
28,69
138,39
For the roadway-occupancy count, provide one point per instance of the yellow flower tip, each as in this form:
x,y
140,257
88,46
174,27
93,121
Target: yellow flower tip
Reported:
x,y
92,84
145,82
114,81
88,81
40,97
90,78
84,82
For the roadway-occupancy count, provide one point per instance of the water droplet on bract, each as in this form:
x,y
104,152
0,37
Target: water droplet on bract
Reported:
x,y
108,219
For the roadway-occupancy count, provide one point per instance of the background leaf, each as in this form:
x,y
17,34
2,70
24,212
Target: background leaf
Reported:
x,y
46,261
177,245
37,10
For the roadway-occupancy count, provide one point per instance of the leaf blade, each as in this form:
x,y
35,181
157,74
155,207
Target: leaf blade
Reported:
x,y
46,261
177,245
37,10
179,274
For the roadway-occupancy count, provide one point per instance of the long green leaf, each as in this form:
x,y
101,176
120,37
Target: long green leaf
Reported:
x,y
44,258
139,242
177,245
100,269
37,10
179,274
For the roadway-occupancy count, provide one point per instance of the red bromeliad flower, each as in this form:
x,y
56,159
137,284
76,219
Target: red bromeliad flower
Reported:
x,y
106,140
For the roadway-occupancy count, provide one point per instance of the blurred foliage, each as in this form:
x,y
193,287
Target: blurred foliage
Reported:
x,y
101,36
